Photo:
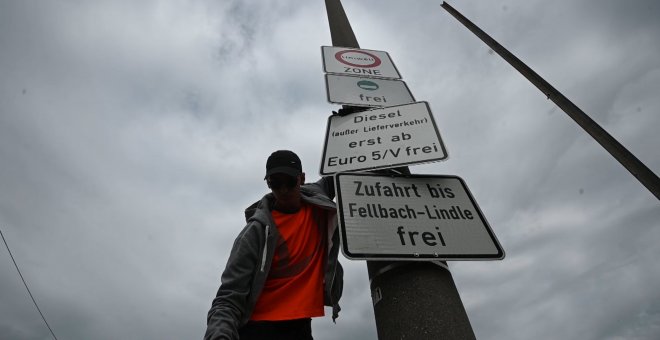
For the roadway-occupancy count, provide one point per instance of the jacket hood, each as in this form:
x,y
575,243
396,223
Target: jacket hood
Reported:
x,y
259,210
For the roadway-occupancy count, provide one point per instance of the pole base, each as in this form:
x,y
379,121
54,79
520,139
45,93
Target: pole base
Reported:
x,y
417,301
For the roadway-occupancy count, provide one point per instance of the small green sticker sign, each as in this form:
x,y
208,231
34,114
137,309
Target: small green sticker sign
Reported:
x,y
370,92
367,85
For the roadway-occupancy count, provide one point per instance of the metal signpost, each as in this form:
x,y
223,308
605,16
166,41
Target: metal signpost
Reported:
x,y
352,61
382,138
412,217
638,169
362,91
412,299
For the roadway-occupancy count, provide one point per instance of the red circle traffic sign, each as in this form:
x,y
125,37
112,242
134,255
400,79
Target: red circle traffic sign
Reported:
x,y
371,59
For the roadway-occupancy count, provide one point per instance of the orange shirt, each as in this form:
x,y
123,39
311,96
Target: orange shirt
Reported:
x,y
294,287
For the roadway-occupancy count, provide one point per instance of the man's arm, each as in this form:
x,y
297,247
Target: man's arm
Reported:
x,y
327,186
228,308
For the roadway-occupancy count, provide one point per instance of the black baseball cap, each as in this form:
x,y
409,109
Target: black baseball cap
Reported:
x,y
285,162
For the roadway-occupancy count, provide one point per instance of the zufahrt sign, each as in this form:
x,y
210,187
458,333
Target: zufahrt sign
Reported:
x,y
412,217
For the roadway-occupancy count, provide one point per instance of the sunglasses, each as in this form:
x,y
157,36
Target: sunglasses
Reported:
x,y
278,183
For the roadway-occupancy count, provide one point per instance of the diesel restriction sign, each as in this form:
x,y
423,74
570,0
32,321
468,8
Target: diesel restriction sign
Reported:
x,y
361,91
368,63
382,138
413,217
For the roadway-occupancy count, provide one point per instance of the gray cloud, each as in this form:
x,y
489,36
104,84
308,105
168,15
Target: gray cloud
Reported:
x,y
132,135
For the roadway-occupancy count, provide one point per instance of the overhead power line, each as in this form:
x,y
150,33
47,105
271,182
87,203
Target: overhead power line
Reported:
x,y
26,286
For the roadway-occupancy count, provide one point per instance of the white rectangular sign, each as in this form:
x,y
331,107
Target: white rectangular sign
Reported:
x,y
362,91
412,217
353,61
382,138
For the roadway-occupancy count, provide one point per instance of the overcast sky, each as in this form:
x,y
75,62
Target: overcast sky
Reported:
x,y
134,133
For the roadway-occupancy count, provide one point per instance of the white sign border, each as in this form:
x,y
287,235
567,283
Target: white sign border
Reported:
x,y
399,257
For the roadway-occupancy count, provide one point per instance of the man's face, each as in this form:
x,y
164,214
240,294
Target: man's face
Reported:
x,y
287,191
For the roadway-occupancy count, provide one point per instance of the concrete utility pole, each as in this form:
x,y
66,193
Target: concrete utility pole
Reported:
x,y
643,174
412,300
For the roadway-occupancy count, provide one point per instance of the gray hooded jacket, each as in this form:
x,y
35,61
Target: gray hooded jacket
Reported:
x,y
251,257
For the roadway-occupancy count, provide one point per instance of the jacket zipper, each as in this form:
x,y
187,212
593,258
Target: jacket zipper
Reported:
x,y
265,253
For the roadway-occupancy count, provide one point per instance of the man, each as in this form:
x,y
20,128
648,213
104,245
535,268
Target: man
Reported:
x,y
283,267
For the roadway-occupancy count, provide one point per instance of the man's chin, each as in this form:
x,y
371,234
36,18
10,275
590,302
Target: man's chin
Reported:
x,y
287,207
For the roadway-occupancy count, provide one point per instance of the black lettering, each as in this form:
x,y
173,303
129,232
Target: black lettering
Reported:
x,y
357,190
398,192
428,238
351,208
415,190
412,234
383,211
400,231
442,239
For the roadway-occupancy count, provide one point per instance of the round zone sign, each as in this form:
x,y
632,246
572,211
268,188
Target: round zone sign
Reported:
x,y
357,58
